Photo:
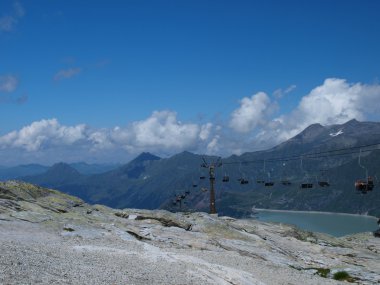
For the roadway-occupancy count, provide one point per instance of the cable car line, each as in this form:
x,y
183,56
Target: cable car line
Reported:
x,y
360,185
310,155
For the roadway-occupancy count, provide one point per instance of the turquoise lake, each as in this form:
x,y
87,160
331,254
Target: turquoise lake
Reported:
x,y
334,224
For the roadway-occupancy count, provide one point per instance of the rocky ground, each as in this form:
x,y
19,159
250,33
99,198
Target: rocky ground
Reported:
x,y
47,237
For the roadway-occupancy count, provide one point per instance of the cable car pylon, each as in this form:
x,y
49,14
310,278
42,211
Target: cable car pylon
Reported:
x,y
211,170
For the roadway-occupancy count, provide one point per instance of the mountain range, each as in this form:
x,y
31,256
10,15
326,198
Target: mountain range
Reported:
x,y
152,182
13,172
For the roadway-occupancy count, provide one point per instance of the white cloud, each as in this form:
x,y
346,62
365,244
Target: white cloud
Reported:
x,y
67,73
279,93
334,102
43,134
161,133
290,88
205,131
162,129
212,146
100,140
8,83
8,22
251,113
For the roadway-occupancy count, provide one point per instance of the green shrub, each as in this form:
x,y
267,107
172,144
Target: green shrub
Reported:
x,y
342,275
324,272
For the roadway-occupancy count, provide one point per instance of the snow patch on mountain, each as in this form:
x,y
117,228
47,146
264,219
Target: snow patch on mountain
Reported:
x,y
337,133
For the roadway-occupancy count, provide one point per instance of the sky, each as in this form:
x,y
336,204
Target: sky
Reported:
x,y
101,81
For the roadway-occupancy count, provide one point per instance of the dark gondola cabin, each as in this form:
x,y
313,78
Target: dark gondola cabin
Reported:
x,y
323,183
268,184
365,185
306,185
202,177
226,178
243,181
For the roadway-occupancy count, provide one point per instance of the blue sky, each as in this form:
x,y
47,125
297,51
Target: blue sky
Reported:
x,y
102,80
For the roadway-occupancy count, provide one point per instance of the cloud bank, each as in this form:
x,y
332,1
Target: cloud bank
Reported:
x,y
256,123
42,134
161,133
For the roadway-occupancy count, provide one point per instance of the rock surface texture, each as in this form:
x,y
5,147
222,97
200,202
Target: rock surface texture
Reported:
x,y
47,237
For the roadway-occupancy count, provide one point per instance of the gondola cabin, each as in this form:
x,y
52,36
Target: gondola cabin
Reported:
x,y
226,178
202,177
323,184
361,185
286,182
364,185
243,181
306,185
260,181
268,184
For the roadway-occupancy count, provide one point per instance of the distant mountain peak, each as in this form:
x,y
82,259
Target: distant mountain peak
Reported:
x,y
185,153
60,164
146,156
310,133
62,167
137,166
313,127
351,122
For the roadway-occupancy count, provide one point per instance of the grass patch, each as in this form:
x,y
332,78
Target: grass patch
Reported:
x,y
343,276
323,272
